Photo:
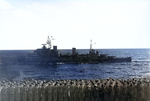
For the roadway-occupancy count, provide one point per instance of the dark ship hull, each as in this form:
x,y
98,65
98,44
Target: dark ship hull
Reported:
x,y
70,59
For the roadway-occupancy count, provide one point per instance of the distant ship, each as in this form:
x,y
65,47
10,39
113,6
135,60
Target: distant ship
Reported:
x,y
46,55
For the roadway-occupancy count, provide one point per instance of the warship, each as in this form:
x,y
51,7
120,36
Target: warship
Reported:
x,y
46,55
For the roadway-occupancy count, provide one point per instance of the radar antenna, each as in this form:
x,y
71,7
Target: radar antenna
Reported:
x,y
49,42
52,38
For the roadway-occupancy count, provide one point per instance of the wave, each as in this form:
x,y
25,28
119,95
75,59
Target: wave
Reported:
x,y
140,60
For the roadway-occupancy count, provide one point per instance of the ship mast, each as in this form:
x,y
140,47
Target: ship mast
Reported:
x,y
91,46
49,42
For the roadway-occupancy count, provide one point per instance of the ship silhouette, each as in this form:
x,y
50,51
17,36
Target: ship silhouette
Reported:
x,y
46,55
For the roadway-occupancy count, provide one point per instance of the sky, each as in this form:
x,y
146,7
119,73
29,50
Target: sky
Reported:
x,y
26,24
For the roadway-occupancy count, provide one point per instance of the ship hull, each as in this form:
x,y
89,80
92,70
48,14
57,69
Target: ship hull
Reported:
x,y
40,60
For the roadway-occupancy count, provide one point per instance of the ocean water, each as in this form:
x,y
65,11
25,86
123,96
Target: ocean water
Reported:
x,y
138,68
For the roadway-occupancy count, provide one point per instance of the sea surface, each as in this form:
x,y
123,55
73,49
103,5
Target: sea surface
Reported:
x,y
138,68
